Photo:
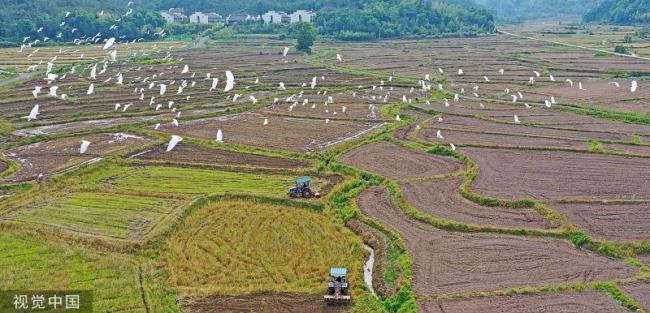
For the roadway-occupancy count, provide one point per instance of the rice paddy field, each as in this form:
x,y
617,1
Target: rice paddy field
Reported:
x,y
502,173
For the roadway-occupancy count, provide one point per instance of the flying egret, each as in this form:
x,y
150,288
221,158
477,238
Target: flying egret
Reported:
x,y
84,146
537,74
570,82
173,142
109,43
215,82
33,114
186,69
36,91
616,84
230,81
175,122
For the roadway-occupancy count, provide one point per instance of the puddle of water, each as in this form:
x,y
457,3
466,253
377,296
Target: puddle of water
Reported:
x,y
367,269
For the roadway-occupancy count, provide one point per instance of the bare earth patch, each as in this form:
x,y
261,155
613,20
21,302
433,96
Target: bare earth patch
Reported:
x,y
618,222
263,303
441,198
51,157
512,174
281,133
451,262
395,162
574,302
203,155
464,138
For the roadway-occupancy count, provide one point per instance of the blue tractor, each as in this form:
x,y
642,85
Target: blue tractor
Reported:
x,y
337,287
302,189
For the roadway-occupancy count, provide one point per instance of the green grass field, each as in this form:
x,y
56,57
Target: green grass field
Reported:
x,y
28,262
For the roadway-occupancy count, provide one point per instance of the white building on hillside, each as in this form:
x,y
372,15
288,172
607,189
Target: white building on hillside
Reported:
x,y
205,18
302,16
273,17
174,16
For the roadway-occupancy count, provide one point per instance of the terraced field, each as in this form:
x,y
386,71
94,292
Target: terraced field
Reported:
x,y
468,200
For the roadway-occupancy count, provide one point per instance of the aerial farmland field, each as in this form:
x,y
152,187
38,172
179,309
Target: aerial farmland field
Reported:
x,y
502,172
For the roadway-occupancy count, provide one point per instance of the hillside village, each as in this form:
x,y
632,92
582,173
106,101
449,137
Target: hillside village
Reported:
x,y
177,16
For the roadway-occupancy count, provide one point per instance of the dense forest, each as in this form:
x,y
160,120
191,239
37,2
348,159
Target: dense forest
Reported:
x,y
343,19
620,12
48,20
518,11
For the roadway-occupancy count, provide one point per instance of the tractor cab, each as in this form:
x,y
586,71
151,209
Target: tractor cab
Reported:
x,y
337,289
303,189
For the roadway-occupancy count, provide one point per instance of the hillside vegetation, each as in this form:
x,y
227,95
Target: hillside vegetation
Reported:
x,y
352,20
620,12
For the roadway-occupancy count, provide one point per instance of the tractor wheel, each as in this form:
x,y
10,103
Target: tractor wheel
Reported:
x,y
307,194
293,195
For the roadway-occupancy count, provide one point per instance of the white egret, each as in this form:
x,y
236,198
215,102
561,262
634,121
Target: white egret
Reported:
x,y
84,146
173,142
33,114
219,136
230,81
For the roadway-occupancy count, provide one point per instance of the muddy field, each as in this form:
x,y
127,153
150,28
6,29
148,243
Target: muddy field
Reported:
x,y
618,222
574,302
262,303
395,162
452,262
44,159
202,155
281,133
510,174
440,198
468,138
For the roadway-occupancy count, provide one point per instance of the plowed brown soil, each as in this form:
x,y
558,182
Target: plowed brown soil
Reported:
x,y
57,155
567,302
502,140
395,162
452,262
512,174
281,133
618,222
263,303
203,155
441,198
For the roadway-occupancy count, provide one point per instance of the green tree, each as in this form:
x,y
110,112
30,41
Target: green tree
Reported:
x,y
305,36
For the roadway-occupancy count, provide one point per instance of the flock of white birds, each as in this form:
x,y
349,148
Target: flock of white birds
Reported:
x,y
110,47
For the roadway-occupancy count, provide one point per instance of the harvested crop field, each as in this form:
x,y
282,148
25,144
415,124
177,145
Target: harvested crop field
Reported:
x,y
617,222
244,246
441,198
454,262
263,303
515,174
395,162
202,155
50,157
502,140
640,291
281,133
551,302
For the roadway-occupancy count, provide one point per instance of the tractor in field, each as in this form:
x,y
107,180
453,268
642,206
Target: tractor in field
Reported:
x,y
337,289
302,189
